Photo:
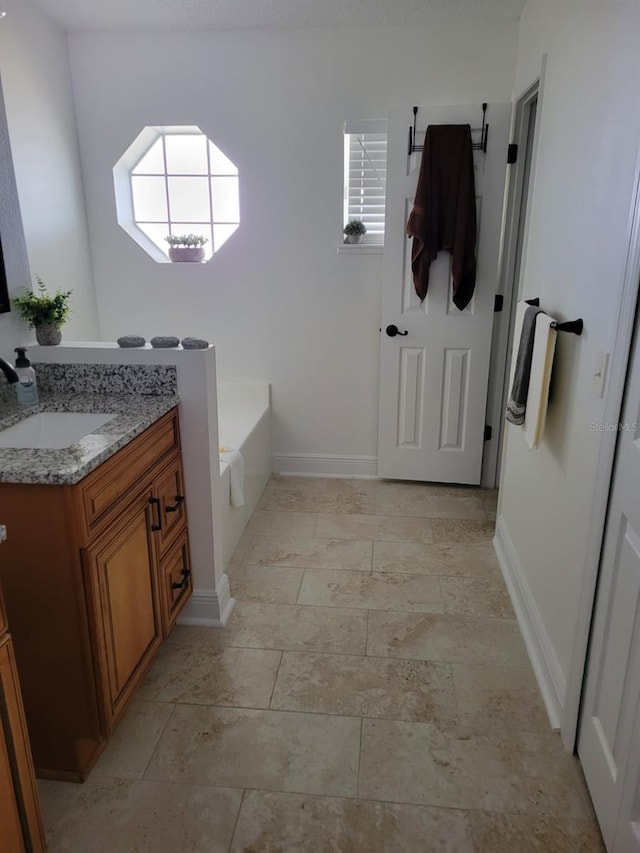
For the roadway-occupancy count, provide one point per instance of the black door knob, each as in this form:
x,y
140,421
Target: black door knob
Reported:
x,y
392,331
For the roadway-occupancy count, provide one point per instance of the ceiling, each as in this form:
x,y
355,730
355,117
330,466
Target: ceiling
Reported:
x,y
196,15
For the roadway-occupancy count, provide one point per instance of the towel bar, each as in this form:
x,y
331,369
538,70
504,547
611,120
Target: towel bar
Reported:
x,y
477,146
574,327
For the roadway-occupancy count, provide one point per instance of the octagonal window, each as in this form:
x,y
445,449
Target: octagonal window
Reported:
x,y
174,181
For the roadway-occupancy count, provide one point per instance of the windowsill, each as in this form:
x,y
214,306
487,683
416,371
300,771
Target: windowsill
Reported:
x,y
359,249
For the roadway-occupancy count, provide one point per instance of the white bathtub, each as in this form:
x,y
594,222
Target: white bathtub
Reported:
x,y
244,424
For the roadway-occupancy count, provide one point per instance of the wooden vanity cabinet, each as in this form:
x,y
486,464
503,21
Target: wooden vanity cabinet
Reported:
x,y
20,822
95,575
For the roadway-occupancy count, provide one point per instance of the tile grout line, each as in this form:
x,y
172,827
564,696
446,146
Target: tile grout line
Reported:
x,y
237,821
275,681
455,691
304,571
366,636
452,614
375,800
319,651
495,579
359,759
306,713
157,744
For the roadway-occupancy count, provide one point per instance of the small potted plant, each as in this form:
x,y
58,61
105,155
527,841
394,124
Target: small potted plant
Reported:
x,y
186,248
44,313
354,231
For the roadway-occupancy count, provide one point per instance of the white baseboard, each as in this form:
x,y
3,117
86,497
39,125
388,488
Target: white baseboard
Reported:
x,y
323,465
546,667
208,607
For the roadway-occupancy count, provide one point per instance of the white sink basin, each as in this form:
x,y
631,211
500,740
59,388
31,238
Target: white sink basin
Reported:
x,y
52,430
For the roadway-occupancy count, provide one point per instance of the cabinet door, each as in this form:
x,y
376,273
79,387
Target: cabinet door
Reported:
x,y
175,577
168,489
20,825
129,631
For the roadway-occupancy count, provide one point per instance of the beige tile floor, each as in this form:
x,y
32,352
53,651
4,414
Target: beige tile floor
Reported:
x,y
370,694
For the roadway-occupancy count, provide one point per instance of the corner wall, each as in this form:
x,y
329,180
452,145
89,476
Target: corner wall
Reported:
x,y
589,135
36,80
13,246
278,302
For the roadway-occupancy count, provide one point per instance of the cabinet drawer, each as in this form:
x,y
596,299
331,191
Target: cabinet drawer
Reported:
x,y
169,509
114,483
175,579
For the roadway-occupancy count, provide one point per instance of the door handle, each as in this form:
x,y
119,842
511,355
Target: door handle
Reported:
x,y
392,331
184,582
155,526
176,506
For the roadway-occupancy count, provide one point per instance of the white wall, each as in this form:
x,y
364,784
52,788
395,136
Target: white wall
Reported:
x,y
34,64
278,302
589,133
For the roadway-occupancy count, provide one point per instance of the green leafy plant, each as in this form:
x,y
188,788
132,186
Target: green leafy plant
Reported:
x,y
187,240
355,226
41,309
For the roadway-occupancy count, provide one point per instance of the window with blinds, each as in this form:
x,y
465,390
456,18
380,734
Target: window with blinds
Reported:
x,y
365,177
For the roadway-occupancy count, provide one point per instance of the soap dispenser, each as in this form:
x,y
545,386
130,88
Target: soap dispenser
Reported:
x,y
27,387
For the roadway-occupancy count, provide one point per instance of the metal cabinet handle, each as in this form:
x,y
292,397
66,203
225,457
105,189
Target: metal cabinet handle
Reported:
x,y
393,330
184,582
177,504
155,502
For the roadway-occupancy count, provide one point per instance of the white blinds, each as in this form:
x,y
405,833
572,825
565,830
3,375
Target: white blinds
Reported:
x,y
366,176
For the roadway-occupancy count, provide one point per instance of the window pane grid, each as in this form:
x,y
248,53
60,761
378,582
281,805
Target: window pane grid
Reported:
x,y
182,175
181,222
182,187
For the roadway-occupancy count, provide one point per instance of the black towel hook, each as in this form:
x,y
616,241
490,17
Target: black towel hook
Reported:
x,y
477,146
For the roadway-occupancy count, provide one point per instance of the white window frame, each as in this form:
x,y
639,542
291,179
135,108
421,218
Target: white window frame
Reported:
x,y
125,170
353,182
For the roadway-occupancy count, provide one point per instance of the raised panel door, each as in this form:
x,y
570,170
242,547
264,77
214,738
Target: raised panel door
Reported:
x,y
434,374
129,632
609,736
10,826
20,823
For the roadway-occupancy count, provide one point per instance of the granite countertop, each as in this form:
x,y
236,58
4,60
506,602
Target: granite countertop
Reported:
x,y
135,413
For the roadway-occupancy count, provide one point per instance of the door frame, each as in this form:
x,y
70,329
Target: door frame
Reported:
x,y
504,321
614,397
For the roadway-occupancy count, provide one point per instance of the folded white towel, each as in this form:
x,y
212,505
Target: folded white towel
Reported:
x,y
234,460
541,363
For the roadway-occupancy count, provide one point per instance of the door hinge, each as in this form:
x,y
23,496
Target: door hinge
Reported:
x,y
512,153
498,302
488,431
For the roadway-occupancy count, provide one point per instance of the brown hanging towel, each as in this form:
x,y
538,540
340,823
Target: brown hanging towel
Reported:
x,y
444,210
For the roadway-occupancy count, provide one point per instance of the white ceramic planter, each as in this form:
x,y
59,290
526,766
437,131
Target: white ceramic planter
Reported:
x,y
48,336
186,254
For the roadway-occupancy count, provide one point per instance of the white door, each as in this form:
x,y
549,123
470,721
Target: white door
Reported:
x,y
609,737
433,380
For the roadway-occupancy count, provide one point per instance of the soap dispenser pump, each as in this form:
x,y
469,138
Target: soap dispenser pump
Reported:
x,y
27,387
